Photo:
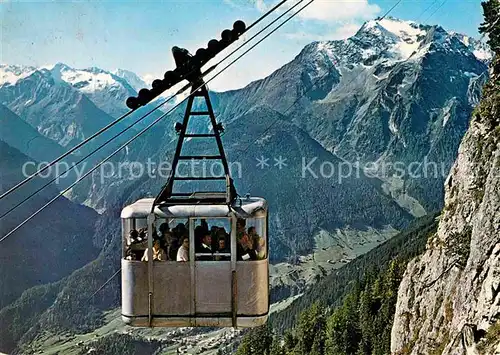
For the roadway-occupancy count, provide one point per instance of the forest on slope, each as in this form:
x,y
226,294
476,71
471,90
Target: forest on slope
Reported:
x,y
348,312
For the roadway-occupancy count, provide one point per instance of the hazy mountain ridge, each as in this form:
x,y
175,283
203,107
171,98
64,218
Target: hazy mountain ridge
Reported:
x,y
20,135
107,90
131,78
48,247
53,108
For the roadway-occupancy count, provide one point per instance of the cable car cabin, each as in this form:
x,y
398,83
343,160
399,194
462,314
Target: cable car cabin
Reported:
x,y
195,265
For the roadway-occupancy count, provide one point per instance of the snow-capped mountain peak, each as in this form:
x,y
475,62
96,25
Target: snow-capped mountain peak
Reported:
x,y
401,39
10,74
382,40
133,79
409,34
85,80
107,90
399,28
391,40
480,49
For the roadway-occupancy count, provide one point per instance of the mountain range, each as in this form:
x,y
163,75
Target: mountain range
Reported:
x,y
396,92
52,245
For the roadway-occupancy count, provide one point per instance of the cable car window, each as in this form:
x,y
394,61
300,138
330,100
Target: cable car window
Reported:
x,y
134,238
251,236
172,235
127,226
212,239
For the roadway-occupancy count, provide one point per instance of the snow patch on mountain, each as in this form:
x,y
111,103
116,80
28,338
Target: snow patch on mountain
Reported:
x,y
86,81
133,79
401,38
392,126
391,40
447,111
105,89
10,74
401,28
408,33
479,48
482,54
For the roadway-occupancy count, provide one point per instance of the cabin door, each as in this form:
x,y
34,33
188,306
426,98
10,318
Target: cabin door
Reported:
x,y
212,267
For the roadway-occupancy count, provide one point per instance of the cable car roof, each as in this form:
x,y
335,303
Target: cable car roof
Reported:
x,y
250,207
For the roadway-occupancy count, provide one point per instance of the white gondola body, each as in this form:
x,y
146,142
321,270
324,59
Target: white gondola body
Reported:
x,y
220,293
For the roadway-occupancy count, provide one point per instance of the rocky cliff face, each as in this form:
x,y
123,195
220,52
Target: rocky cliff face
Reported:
x,y
449,299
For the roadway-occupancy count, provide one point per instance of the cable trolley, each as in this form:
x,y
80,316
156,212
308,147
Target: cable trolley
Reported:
x,y
195,258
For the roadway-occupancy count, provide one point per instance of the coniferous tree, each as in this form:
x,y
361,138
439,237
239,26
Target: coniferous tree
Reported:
x,y
491,24
256,342
290,341
276,348
366,321
343,334
311,331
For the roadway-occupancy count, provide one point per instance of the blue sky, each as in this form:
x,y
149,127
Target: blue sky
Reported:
x,y
138,36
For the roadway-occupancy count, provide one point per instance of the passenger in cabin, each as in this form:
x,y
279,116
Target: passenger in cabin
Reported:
x,y
158,253
219,248
166,238
180,229
165,233
173,247
164,228
133,236
221,232
156,236
206,243
178,232
183,253
130,254
258,243
165,248
260,249
245,249
214,233
204,225
206,247
199,233
240,227
143,235
222,246
252,232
